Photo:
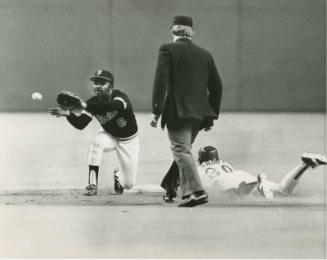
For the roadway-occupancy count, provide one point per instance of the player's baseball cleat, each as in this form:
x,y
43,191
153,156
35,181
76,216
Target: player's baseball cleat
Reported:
x,y
119,189
314,160
195,199
263,188
91,190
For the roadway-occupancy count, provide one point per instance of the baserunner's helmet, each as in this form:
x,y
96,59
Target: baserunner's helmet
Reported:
x,y
208,153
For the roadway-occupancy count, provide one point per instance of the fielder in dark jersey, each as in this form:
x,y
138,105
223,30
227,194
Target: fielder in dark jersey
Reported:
x,y
114,113
119,131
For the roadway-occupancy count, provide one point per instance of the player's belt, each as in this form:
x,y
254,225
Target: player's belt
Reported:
x,y
127,138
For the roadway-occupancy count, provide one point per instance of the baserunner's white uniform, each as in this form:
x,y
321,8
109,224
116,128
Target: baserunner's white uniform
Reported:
x,y
221,176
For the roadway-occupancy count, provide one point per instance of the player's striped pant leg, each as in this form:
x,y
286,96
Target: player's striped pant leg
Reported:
x,y
103,142
128,158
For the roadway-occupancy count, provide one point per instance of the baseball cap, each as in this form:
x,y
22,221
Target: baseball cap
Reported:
x,y
183,20
103,74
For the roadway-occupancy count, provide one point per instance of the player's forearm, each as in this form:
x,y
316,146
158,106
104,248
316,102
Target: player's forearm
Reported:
x,y
79,122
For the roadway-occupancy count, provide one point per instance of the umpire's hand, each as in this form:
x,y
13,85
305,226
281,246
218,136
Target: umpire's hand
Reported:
x,y
207,124
154,120
206,129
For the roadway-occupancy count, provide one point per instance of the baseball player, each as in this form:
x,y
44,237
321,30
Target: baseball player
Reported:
x,y
118,132
221,176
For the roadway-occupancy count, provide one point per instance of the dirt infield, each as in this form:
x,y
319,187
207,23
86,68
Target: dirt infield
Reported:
x,y
105,197
65,224
44,214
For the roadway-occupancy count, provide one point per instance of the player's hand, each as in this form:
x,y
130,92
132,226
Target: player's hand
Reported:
x,y
154,120
58,112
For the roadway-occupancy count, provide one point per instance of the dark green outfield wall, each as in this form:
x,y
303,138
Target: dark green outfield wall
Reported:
x,y
270,53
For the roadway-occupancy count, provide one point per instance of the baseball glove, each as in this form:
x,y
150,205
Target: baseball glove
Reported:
x,y
69,101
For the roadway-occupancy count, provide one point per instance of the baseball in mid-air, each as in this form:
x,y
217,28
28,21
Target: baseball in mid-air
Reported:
x,y
36,96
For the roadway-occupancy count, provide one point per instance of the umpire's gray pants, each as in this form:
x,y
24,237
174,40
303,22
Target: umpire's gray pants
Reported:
x,y
181,139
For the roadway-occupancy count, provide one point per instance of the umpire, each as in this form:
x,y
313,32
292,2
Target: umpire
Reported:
x,y
187,95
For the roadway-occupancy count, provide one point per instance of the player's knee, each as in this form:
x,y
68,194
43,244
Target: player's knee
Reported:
x,y
128,185
286,192
288,188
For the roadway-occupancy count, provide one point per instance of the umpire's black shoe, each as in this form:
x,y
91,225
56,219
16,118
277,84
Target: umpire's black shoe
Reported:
x,y
195,199
169,197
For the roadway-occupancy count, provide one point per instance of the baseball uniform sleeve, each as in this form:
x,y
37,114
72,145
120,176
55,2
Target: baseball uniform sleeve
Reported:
x,y
81,121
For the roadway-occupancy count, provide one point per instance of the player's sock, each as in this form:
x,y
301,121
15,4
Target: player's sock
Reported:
x,y
93,174
291,179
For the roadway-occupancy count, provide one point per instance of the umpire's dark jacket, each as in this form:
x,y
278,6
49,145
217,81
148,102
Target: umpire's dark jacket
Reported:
x,y
187,84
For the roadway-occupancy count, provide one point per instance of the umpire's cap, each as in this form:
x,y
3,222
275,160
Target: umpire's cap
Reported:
x,y
103,74
208,153
182,20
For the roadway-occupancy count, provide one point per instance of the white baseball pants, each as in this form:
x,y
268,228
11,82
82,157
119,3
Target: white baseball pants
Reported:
x,y
127,155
